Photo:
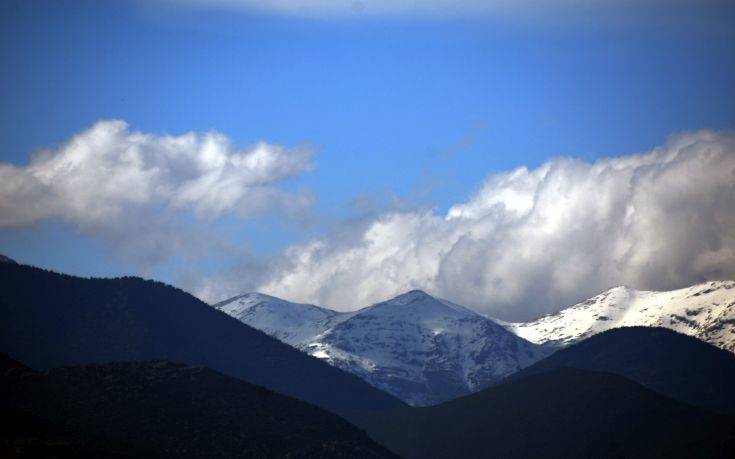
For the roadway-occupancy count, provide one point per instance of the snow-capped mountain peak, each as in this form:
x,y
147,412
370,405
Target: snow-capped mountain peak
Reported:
x,y
706,311
420,303
290,322
420,348
425,349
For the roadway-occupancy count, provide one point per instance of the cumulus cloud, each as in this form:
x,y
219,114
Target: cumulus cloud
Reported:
x,y
138,190
532,241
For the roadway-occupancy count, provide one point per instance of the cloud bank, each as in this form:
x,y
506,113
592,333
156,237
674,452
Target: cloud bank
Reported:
x,y
140,191
528,242
532,241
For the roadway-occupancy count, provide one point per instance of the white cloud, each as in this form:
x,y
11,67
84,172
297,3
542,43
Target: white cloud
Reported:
x,y
532,241
135,189
529,242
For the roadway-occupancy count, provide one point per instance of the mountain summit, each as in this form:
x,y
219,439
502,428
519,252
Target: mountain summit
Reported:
x,y
422,349
705,311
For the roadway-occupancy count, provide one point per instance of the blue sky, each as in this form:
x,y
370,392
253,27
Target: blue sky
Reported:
x,y
401,111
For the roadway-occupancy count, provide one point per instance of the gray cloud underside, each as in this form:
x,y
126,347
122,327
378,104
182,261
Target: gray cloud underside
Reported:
x,y
532,241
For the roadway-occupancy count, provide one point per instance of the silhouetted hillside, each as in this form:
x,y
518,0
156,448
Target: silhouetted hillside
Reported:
x,y
26,436
51,320
5,259
160,409
565,413
673,364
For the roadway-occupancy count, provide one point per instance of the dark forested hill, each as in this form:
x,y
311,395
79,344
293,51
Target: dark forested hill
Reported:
x,y
51,320
5,259
673,364
161,409
564,413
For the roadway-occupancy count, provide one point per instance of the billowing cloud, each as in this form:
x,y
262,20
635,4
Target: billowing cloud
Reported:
x,y
532,241
138,190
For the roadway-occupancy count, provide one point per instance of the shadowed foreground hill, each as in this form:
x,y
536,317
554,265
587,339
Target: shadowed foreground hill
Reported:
x,y
670,363
160,409
565,413
24,435
51,320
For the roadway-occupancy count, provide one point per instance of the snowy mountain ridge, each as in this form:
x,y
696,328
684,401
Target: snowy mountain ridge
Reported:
x,y
292,323
425,350
421,349
705,311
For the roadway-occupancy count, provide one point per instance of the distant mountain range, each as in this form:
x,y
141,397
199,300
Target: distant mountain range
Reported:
x,y
624,392
705,311
421,349
426,350
51,320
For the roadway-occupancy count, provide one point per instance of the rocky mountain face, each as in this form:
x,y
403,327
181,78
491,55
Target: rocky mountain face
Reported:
x,y
705,311
422,349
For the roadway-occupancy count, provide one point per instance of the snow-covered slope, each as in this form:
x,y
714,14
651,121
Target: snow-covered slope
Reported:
x,y
419,348
292,323
425,350
706,311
